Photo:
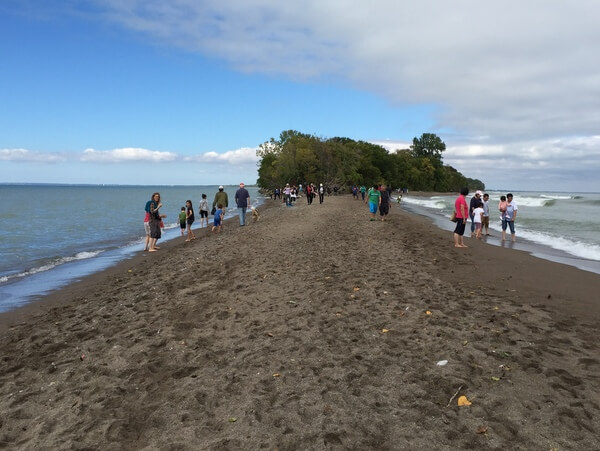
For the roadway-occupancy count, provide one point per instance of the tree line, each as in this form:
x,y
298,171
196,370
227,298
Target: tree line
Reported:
x,y
299,158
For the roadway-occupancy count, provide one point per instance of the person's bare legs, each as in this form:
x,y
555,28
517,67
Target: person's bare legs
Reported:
x,y
146,247
458,240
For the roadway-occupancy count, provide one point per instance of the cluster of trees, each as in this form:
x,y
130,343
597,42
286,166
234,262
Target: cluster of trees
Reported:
x,y
300,158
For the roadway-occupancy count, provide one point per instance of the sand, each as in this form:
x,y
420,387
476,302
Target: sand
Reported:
x,y
313,328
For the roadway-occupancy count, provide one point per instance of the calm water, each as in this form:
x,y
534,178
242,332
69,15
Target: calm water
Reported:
x,y
558,223
51,235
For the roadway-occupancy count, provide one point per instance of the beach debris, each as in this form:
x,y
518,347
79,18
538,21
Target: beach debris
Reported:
x,y
463,401
482,429
232,419
428,312
82,357
384,331
549,296
465,343
454,396
356,288
442,363
276,375
495,378
385,292
269,334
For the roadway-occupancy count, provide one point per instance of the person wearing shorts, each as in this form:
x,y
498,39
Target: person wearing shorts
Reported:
x,y
462,213
203,211
485,218
182,220
218,219
374,197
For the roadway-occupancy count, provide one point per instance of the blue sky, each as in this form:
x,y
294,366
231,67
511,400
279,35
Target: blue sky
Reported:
x,y
169,92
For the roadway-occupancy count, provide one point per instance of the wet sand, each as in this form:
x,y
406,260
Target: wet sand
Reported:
x,y
313,328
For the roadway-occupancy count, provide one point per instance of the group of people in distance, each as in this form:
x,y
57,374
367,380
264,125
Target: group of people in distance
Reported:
x,y
153,220
478,211
290,193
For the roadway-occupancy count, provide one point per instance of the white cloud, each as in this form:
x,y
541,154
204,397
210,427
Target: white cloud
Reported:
x,y
125,154
24,155
508,70
242,156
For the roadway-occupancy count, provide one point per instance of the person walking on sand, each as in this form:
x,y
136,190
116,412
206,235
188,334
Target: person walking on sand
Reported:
x,y
182,220
203,210
287,194
308,193
221,198
242,200
154,207
461,210
190,218
363,192
321,193
374,197
384,206
475,202
485,218
218,219
508,217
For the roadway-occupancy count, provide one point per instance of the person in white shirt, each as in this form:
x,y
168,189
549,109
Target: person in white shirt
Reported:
x,y
508,217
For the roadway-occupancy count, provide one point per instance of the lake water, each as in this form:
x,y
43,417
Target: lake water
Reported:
x,y
51,235
563,227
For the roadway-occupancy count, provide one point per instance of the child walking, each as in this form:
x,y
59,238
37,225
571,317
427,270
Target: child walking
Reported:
x,y
218,219
182,220
190,220
203,211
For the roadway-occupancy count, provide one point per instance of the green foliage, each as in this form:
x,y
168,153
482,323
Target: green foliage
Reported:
x,y
301,158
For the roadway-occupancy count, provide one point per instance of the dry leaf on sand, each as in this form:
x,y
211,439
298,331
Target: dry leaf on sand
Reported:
x,y
463,401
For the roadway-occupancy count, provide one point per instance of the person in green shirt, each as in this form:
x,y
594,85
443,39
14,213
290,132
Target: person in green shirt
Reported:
x,y
182,220
363,191
374,197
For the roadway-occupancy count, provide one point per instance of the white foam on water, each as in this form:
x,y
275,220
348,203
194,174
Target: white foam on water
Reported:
x,y
51,265
533,201
548,196
433,202
577,248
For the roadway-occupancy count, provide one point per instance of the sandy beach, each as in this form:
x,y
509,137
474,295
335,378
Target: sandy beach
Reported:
x,y
313,328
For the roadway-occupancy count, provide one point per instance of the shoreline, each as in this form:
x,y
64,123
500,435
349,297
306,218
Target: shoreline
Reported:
x,y
536,249
309,326
22,291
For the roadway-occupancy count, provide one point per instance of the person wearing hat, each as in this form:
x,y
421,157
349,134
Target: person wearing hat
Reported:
x,y
242,200
220,198
475,203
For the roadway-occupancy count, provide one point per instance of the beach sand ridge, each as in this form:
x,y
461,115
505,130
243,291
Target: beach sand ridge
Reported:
x,y
313,328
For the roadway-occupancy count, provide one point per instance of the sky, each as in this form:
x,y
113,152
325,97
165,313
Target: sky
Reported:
x,y
184,91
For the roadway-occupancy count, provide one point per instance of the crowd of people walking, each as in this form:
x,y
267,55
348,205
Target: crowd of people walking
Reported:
x,y
154,219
